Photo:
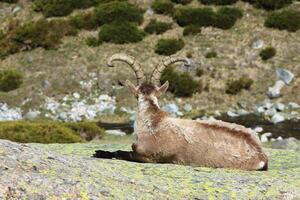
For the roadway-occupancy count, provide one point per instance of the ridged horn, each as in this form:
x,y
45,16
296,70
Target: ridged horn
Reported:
x,y
132,62
156,73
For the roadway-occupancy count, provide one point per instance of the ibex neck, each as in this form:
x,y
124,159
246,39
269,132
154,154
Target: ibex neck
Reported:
x,y
149,115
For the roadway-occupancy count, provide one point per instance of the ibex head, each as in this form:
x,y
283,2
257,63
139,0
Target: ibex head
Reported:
x,y
146,88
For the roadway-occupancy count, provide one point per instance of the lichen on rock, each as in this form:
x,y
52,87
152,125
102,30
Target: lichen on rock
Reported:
x,y
31,171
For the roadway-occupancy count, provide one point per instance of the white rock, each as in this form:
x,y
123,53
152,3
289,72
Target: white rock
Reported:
x,y
258,129
76,95
268,134
279,106
187,108
217,113
277,118
260,109
274,91
232,114
257,44
242,112
285,75
293,105
263,138
32,114
149,12
171,108
279,138
115,132
16,9
9,114
270,112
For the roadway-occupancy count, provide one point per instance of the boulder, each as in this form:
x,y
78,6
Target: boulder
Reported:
x,y
285,75
289,143
293,105
277,118
274,91
67,171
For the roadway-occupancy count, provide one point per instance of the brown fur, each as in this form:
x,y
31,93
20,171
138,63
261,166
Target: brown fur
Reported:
x,y
147,88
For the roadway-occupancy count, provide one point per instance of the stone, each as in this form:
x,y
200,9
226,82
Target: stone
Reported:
x,y
187,108
9,114
279,138
260,109
32,114
241,112
171,108
270,112
76,95
149,11
257,44
258,129
268,134
289,143
16,9
67,171
232,114
279,106
285,75
264,138
277,118
274,91
46,84
293,105
115,132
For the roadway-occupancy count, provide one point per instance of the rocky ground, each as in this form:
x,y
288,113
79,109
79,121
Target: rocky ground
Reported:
x,y
36,171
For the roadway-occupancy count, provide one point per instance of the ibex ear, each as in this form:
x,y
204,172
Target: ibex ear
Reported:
x,y
132,88
162,89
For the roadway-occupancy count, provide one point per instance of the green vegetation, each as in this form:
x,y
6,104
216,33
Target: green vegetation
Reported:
x,y
10,80
84,21
49,132
163,6
235,86
224,18
284,20
267,53
52,8
191,30
211,54
181,84
157,27
272,4
218,2
183,2
168,46
92,41
120,33
118,11
199,72
9,1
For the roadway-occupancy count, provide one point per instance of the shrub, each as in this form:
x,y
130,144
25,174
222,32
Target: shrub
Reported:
x,y
49,131
183,2
38,132
284,20
92,41
118,11
9,1
10,80
219,2
157,27
168,46
226,17
43,33
267,53
181,84
191,30
211,54
199,72
86,130
195,16
272,4
120,33
84,21
51,8
163,6
235,86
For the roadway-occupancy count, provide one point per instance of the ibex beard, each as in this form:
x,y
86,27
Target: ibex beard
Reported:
x,y
162,139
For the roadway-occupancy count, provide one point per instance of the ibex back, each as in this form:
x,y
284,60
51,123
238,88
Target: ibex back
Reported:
x,y
162,139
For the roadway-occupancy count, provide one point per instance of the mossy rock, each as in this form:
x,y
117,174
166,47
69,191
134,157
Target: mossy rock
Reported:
x,y
68,171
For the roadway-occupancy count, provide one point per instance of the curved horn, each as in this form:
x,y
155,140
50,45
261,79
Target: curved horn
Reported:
x,y
156,73
132,62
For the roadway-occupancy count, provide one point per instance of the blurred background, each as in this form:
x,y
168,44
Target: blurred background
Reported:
x,y
55,85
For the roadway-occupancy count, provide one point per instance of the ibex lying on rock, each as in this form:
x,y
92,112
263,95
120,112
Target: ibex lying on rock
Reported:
x,y
162,139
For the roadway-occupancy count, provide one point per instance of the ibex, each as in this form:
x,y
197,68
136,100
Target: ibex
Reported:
x,y
162,139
